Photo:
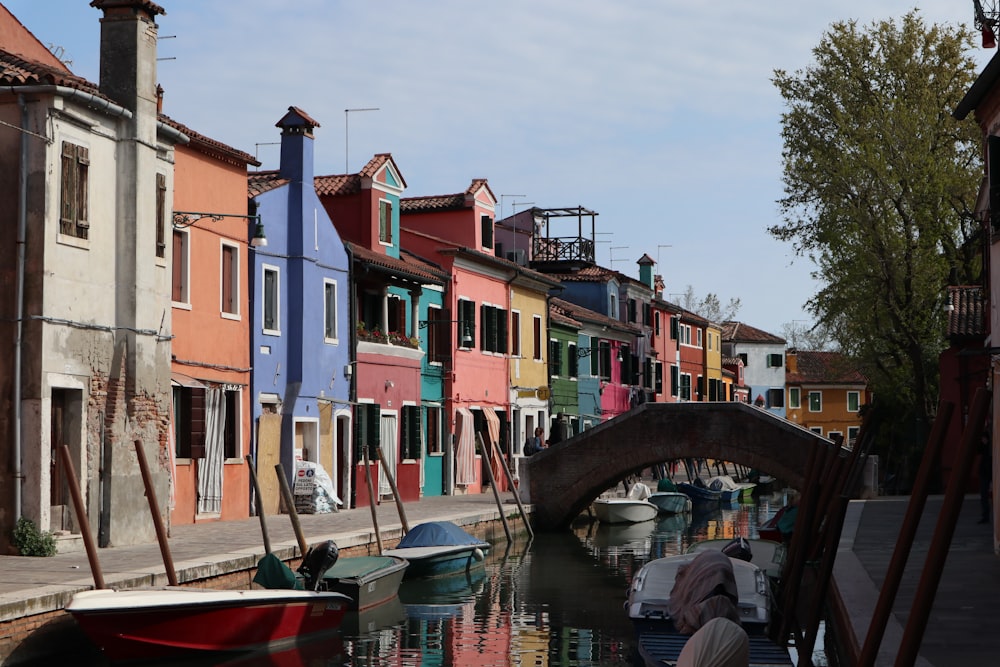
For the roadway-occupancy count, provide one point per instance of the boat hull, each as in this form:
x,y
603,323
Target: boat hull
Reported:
x,y
671,502
367,580
624,510
440,561
172,622
699,494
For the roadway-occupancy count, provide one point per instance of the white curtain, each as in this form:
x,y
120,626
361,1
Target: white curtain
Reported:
x,y
465,454
387,436
210,467
493,430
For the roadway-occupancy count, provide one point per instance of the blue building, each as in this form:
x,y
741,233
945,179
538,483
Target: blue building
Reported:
x,y
300,338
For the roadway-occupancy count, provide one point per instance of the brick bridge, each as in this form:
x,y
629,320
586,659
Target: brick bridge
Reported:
x,y
563,480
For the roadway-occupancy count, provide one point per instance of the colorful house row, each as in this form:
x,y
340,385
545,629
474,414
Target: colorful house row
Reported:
x,y
167,295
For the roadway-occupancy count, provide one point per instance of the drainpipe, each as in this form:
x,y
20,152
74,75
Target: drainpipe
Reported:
x,y
352,355
22,226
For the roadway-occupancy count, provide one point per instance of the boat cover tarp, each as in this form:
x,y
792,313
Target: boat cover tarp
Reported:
x,y
639,491
723,483
666,484
274,574
437,534
719,643
704,589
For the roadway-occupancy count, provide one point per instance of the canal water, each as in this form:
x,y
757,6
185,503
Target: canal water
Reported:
x,y
556,600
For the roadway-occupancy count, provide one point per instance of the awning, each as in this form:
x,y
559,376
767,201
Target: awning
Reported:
x,y
181,380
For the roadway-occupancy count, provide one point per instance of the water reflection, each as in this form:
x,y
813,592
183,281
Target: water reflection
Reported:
x,y
556,601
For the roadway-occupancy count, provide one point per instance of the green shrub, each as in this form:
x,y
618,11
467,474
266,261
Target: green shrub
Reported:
x,y
33,542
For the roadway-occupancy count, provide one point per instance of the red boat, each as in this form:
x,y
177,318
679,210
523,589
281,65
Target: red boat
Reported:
x,y
145,624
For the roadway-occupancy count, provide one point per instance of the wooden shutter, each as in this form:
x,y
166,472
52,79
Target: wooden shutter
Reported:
x,y
228,296
161,215
82,187
177,293
197,422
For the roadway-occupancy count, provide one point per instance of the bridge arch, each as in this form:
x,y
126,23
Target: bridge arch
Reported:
x,y
563,480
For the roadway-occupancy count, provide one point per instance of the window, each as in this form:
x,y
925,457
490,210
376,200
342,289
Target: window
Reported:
x,y
656,324
818,430
852,435
536,334
438,335
647,314
330,311
698,342
836,436
395,314
815,401
853,401
794,398
189,422
179,278
632,310
272,304
384,221
572,359
230,437
367,430
658,377
433,431
161,215
515,333
675,381
774,361
684,390
486,223
73,220
604,360
494,329
230,280
613,306
466,323
776,398
743,358
410,444
674,324
555,358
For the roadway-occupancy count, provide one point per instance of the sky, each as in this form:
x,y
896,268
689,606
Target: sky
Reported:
x,y
659,115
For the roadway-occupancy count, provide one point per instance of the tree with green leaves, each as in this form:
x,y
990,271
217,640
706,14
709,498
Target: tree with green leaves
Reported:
x,y
880,181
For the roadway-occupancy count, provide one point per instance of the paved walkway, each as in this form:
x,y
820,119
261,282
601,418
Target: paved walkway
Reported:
x,y
963,628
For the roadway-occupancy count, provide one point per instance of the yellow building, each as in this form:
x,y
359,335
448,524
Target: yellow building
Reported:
x,y
825,393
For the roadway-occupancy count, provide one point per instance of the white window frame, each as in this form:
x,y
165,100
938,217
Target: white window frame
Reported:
x,y
698,338
794,398
327,314
819,394
234,278
832,435
818,430
857,401
264,270
388,223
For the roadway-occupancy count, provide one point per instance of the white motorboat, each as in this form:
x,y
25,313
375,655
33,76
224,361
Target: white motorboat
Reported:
x,y
635,508
653,587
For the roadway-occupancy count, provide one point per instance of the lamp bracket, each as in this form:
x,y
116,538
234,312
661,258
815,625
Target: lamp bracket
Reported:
x,y
184,219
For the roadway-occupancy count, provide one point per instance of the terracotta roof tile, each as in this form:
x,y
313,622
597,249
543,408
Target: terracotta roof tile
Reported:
x,y
211,146
824,368
431,203
966,317
559,314
16,71
259,182
297,114
150,7
408,269
340,184
585,315
737,332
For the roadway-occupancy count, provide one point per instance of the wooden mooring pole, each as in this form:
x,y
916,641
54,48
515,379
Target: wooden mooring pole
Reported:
x,y
154,509
81,517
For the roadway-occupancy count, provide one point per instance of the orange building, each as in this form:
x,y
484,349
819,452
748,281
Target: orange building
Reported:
x,y
825,393
210,371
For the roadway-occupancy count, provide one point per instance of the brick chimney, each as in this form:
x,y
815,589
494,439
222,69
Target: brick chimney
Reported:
x,y
128,53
